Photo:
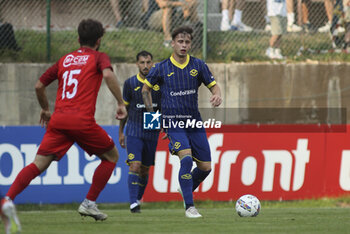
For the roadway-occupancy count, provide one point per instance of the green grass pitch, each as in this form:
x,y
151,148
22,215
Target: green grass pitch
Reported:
x,y
313,216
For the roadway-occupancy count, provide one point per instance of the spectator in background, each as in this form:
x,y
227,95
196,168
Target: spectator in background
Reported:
x,y
123,13
334,11
236,23
277,13
328,5
169,9
7,37
291,26
307,26
116,11
338,20
347,24
150,9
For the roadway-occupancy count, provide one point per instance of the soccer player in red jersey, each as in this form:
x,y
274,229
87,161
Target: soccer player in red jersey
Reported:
x,y
10,220
79,76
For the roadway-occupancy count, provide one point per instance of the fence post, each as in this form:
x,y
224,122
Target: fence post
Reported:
x,y
48,30
205,28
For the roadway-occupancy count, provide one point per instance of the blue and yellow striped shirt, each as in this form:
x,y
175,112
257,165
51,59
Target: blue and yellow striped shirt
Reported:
x,y
133,100
179,84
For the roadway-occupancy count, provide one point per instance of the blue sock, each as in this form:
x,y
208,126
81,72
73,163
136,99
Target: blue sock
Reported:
x,y
142,186
133,184
198,176
185,180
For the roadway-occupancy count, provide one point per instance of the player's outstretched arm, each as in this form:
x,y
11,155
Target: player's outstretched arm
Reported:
x,y
147,97
114,87
45,113
215,99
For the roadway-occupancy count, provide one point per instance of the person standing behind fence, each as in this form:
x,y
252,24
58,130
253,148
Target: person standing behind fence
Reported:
x,y
328,5
116,11
347,25
7,37
151,8
277,13
236,23
291,26
189,10
79,75
307,26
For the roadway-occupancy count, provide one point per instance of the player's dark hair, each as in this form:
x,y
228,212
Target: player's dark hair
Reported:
x,y
90,31
143,53
183,29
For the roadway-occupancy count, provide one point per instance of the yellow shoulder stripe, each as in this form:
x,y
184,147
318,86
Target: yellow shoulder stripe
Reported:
x,y
211,84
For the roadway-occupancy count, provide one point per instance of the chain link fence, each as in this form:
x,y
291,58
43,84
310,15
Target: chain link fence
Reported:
x,y
134,25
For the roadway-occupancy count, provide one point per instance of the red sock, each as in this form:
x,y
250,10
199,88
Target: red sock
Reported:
x,y
101,176
24,177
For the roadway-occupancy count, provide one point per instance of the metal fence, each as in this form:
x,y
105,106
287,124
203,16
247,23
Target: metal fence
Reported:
x,y
44,30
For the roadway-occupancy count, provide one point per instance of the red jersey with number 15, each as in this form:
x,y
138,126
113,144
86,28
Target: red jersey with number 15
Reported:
x,y
79,76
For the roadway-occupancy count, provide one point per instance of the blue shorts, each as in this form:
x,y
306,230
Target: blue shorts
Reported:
x,y
140,150
194,139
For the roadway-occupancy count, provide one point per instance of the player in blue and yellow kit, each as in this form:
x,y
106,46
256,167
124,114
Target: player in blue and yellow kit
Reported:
x,y
140,143
179,78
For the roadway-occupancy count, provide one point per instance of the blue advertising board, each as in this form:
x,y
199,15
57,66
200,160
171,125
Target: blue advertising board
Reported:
x,y
65,181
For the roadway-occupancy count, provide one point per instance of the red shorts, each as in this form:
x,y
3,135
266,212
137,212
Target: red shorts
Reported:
x,y
94,140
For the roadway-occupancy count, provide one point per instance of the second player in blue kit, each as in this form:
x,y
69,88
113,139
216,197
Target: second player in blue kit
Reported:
x,y
140,143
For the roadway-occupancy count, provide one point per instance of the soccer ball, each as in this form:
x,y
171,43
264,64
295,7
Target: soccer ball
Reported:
x,y
248,206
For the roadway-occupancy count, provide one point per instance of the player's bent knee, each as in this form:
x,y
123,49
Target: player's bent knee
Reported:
x,y
204,166
135,167
184,153
111,156
42,162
